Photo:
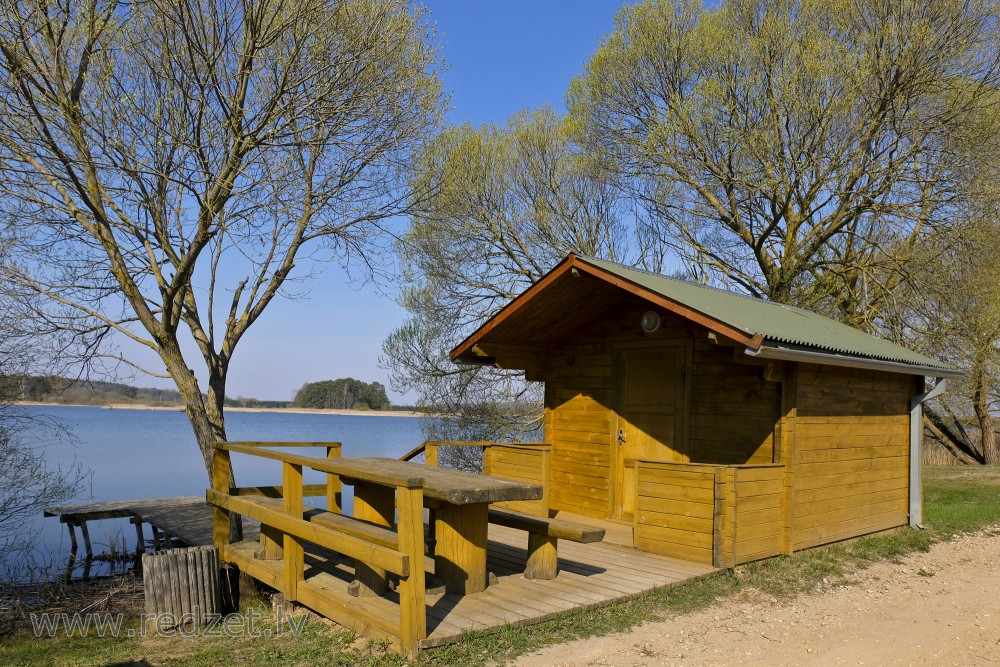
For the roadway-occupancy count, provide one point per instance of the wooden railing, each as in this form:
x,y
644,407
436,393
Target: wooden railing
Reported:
x,y
522,462
527,462
285,530
721,515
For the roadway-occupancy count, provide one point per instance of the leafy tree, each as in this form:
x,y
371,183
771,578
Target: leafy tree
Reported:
x,y
783,146
342,394
950,309
509,202
182,161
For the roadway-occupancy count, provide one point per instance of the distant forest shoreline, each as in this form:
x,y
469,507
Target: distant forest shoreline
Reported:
x,y
395,411
49,390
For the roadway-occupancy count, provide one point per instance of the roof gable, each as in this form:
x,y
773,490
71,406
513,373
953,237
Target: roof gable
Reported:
x,y
747,320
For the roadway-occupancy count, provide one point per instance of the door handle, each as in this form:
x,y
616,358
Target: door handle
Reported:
x,y
621,436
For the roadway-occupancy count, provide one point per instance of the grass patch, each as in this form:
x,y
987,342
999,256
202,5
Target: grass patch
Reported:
x,y
957,499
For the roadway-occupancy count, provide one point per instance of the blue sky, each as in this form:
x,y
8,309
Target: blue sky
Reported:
x,y
502,57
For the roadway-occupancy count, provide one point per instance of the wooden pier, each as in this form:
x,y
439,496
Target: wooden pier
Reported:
x,y
185,519
590,575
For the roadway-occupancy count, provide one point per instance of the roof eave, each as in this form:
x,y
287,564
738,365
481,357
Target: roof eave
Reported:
x,y
463,352
832,359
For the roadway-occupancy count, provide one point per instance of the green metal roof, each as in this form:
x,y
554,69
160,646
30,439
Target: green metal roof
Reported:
x,y
776,322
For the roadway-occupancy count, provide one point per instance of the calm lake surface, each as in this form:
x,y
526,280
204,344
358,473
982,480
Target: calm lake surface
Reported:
x,y
127,454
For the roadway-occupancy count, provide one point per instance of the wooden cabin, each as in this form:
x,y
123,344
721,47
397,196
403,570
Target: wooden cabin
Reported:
x,y
718,428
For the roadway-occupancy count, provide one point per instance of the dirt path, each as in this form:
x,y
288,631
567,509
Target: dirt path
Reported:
x,y
935,608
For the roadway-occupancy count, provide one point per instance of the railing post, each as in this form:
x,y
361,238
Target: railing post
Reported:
x,y
294,553
724,521
546,454
488,459
333,485
412,609
431,454
221,473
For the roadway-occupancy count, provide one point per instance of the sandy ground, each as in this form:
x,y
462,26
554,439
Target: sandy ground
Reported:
x,y
298,411
936,608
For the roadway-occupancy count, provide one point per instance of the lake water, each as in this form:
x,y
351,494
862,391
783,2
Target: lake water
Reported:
x,y
127,454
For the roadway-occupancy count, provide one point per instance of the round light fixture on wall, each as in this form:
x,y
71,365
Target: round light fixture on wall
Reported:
x,y
650,321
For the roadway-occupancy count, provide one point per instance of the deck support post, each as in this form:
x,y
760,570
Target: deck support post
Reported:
x,y
376,504
140,539
461,531
74,547
86,540
543,557
333,485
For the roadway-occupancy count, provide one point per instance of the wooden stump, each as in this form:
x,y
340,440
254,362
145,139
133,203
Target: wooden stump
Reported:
x,y
182,586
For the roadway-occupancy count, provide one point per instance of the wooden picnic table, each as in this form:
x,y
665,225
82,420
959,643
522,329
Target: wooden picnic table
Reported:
x,y
460,502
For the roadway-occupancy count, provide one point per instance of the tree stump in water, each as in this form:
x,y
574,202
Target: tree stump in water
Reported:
x,y
182,587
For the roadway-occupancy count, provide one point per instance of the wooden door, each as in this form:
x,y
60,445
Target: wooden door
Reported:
x,y
651,422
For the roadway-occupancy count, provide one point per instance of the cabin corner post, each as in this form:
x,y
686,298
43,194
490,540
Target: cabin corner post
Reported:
x,y
294,553
916,500
412,603
221,473
334,487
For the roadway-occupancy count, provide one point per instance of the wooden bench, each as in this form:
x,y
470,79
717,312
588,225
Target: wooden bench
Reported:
x,y
370,532
543,537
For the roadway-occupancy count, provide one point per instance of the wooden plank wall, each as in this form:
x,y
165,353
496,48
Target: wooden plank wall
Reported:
x,y
734,410
759,516
850,465
578,389
675,510
522,463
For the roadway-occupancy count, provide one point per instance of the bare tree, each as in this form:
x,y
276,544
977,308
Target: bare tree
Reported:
x,y
784,146
28,482
182,161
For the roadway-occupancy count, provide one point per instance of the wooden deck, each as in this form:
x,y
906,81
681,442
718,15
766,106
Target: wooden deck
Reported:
x,y
591,575
185,518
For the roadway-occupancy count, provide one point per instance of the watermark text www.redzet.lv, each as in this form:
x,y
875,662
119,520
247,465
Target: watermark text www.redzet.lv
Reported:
x,y
252,623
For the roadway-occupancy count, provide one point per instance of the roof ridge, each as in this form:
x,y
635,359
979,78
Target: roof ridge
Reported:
x,y
839,330
749,297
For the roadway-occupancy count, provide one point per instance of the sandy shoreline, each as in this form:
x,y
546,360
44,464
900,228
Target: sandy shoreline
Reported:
x,y
178,408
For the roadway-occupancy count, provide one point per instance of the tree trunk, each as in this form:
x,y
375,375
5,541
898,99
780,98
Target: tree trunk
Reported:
x,y
207,431
956,442
989,437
